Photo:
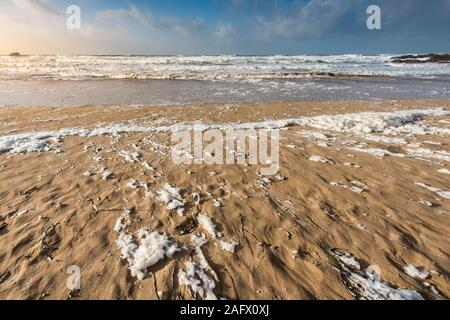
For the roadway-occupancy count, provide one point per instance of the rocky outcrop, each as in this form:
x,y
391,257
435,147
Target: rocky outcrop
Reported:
x,y
422,58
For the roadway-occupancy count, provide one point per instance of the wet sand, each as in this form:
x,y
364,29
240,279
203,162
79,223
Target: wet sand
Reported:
x,y
315,231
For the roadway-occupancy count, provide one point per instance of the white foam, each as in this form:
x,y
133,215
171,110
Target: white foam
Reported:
x,y
376,152
198,242
314,135
347,259
198,280
152,248
105,173
172,197
25,142
367,284
353,188
320,159
412,271
123,222
228,246
362,123
87,174
224,67
384,139
130,156
428,154
439,192
134,184
208,225
369,122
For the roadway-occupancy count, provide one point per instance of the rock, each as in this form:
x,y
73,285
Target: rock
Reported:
x,y
422,58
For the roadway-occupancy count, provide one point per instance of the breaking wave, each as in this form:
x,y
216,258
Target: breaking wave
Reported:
x,y
209,68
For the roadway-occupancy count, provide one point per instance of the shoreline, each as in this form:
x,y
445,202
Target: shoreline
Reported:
x,y
167,92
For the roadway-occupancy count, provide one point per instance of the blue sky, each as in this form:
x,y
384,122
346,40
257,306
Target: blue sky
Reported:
x,y
224,27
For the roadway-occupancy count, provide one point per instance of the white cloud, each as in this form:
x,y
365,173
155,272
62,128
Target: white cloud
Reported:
x,y
37,7
122,16
312,18
223,30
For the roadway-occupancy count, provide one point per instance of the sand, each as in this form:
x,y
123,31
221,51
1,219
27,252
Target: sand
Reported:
x,y
316,231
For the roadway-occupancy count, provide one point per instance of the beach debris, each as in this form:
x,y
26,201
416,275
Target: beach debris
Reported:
x,y
367,284
355,189
172,197
150,249
361,226
439,192
217,202
426,203
414,272
328,210
197,198
320,159
51,239
187,226
351,165
93,204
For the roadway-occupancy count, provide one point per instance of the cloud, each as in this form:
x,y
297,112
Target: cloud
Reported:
x,y
37,7
223,30
122,16
241,27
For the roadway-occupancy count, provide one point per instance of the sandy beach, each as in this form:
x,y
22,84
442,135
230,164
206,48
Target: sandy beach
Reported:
x,y
358,210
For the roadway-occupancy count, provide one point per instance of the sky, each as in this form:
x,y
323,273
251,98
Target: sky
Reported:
x,y
245,27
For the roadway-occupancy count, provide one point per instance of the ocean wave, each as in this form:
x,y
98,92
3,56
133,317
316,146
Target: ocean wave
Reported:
x,y
213,68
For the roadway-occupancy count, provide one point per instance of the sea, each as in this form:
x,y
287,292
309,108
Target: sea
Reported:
x,y
73,80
